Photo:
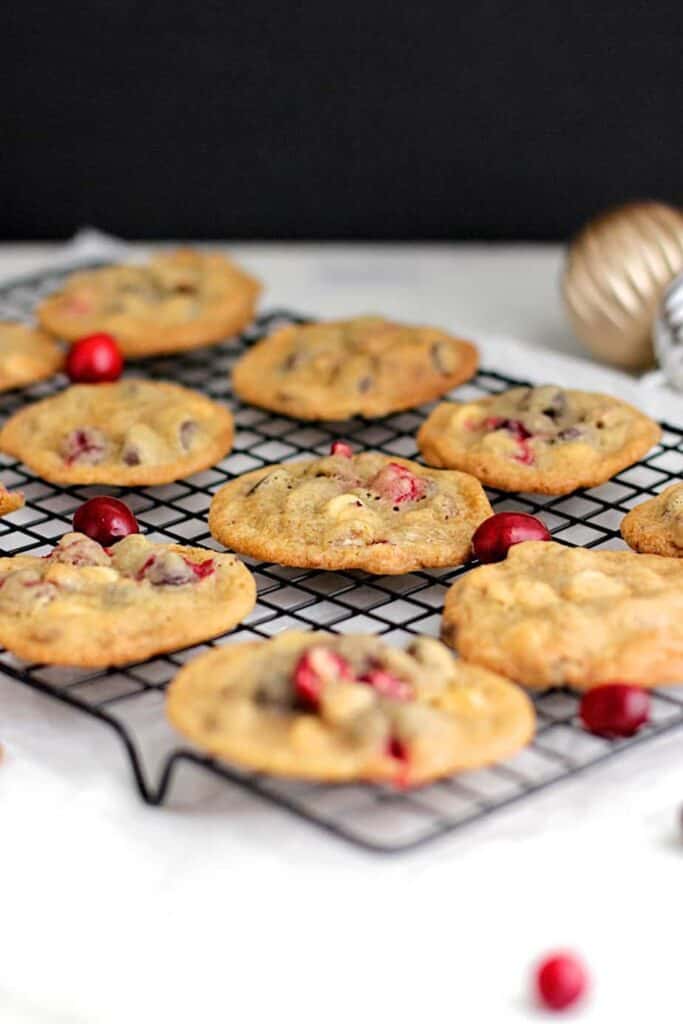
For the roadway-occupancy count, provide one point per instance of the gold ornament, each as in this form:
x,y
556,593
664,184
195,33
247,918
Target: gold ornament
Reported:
x,y
616,271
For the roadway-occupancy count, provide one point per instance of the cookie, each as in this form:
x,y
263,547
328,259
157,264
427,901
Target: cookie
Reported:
x,y
547,440
91,606
10,501
133,432
178,300
26,355
367,366
347,511
551,615
315,706
656,526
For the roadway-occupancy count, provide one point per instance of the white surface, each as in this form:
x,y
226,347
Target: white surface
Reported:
x,y
223,908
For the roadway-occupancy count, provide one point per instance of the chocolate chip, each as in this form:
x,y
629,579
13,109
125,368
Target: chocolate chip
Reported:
x,y
131,456
557,406
364,384
293,360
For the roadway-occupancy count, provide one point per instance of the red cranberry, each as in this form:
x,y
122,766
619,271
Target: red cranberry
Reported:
x,y
396,483
94,359
518,430
201,569
495,536
105,520
315,667
84,445
525,454
615,709
561,979
387,685
397,749
516,427
341,448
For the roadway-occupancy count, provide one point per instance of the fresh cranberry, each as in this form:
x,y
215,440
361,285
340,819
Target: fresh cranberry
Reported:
x,y
397,484
496,535
94,359
315,667
386,684
341,448
561,979
105,520
615,709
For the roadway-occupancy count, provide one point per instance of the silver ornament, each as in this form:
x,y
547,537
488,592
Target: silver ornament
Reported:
x,y
668,333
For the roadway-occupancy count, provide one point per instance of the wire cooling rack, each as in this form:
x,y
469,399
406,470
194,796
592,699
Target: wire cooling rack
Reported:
x,y
131,701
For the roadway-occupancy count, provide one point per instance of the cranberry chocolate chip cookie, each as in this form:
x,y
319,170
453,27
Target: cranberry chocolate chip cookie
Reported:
x,y
178,300
347,511
551,615
133,432
656,526
548,440
89,606
10,501
315,706
367,366
26,355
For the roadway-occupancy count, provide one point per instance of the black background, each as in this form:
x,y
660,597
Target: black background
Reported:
x,y
379,120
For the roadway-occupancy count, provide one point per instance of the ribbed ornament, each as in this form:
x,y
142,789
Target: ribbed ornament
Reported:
x,y
617,268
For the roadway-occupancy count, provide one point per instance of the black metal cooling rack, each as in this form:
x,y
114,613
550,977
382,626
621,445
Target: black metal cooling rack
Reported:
x,y
130,701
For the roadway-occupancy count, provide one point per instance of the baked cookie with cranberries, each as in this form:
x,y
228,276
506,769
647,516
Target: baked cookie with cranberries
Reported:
x,y
177,300
547,440
315,706
27,355
346,511
132,432
656,526
90,606
551,615
367,366
10,501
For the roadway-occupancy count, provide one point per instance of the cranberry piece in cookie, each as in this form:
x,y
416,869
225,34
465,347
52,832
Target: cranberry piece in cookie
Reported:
x,y
615,709
315,667
84,445
94,359
341,448
397,484
560,981
387,684
105,519
495,536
